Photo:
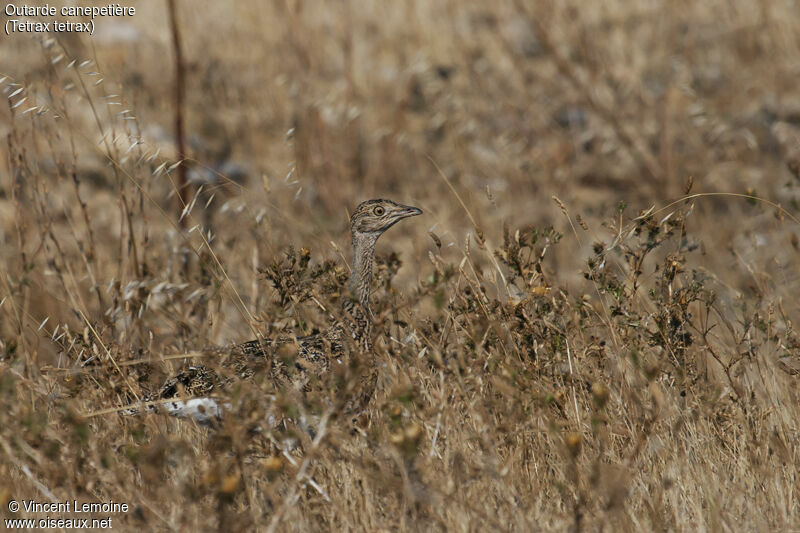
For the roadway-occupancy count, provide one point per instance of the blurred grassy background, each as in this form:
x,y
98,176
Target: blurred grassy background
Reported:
x,y
296,111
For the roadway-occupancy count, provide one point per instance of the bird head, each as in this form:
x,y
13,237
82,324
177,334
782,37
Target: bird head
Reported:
x,y
376,216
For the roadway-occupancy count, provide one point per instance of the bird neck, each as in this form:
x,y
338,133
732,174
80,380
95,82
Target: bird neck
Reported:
x,y
361,276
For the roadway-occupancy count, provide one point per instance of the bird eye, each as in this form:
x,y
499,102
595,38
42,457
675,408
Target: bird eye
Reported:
x,y
378,211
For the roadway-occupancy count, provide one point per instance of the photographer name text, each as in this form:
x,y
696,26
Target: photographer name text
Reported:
x,y
74,506
60,508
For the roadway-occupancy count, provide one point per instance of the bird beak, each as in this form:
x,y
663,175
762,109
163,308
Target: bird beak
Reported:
x,y
408,211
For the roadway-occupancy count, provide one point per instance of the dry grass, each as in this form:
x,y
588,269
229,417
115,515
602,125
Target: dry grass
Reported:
x,y
567,340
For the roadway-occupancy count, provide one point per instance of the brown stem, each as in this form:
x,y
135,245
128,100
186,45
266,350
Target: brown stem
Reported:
x,y
180,144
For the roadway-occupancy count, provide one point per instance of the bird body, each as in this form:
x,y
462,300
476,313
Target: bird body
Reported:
x,y
193,386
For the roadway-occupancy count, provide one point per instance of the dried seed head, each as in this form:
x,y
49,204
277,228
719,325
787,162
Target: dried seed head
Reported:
x,y
272,465
413,433
560,204
599,394
540,291
229,485
436,239
573,441
397,438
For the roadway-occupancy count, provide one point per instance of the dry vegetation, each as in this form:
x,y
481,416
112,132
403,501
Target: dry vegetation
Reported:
x,y
619,358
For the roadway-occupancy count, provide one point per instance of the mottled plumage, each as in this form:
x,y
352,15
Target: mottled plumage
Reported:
x,y
315,353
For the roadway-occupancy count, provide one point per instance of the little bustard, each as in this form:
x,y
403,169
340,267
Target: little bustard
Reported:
x,y
315,353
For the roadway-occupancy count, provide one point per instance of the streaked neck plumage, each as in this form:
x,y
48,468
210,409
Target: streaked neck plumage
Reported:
x,y
361,276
